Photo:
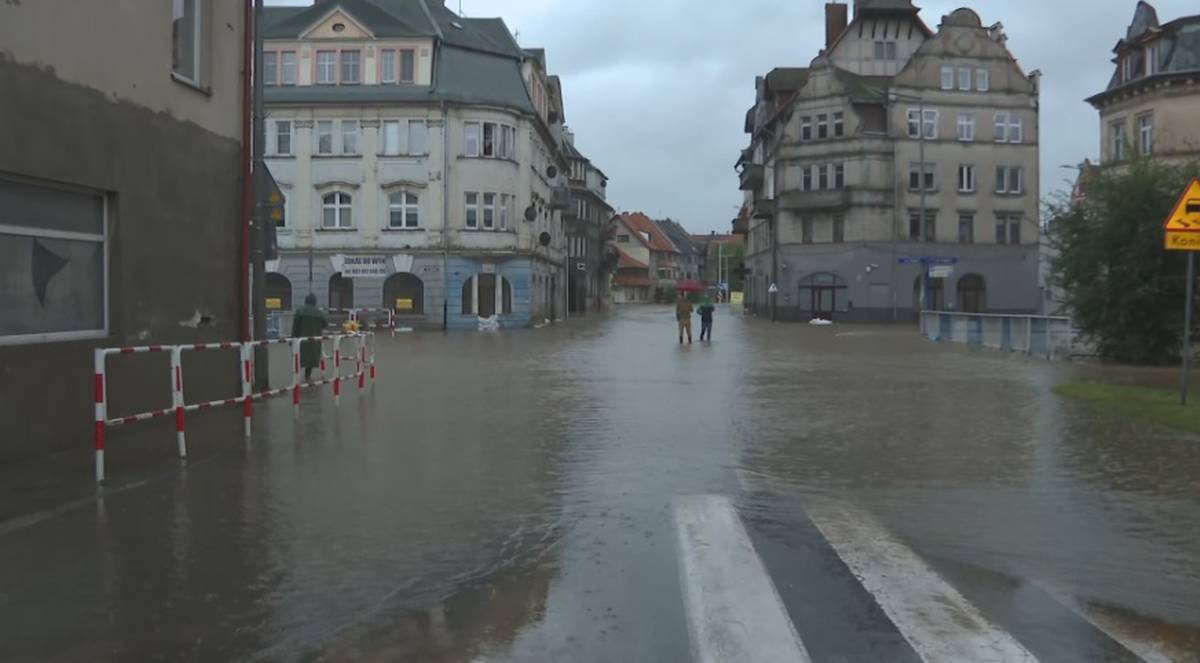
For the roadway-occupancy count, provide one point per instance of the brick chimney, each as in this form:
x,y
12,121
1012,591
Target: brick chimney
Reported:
x,y
836,19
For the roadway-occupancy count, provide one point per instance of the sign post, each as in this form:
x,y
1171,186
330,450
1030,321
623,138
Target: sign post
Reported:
x,y
1182,233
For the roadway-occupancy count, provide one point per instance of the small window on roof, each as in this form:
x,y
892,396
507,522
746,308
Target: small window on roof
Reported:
x,y
456,25
339,27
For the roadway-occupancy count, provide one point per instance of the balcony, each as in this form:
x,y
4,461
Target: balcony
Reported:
x,y
764,209
835,199
751,176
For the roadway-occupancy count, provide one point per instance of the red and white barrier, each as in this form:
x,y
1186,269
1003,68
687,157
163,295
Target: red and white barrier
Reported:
x,y
179,406
357,314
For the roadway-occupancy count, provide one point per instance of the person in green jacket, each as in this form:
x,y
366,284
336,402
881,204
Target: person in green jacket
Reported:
x,y
310,321
706,318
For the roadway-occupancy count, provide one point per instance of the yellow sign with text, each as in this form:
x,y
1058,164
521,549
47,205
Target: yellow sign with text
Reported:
x,y
274,304
736,298
404,305
1183,226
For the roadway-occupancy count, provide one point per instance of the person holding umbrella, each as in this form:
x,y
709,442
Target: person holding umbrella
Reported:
x,y
309,322
706,318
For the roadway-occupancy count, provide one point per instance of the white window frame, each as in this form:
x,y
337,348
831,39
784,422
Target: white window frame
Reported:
x,y
947,78
318,132
839,124
284,79
424,146
930,180
966,127
343,204
983,80
1116,137
387,58
1010,180
98,238
470,206
1016,128
320,67
272,68
400,66
806,129
823,177
822,126
1146,133
276,125
390,129
197,41
343,125
505,201
964,79
409,208
891,51
476,149
358,67
967,180
1153,52
488,211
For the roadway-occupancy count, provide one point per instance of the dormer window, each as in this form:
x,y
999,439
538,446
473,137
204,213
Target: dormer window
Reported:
x,y
1153,62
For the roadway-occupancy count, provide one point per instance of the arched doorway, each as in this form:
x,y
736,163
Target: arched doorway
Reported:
x,y
405,294
279,292
341,293
972,294
936,294
481,296
822,293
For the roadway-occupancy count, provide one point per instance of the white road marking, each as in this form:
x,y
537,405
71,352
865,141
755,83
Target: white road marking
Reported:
x,y
734,612
1148,651
939,623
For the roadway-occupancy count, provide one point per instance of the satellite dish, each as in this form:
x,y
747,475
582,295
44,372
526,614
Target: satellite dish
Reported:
x,y
531,213
544,239
552,172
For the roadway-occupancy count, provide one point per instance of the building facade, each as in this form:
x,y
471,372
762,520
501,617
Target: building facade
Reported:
x,y
1150,106
121,184
690,264
420,156
588,222
896,145
661,256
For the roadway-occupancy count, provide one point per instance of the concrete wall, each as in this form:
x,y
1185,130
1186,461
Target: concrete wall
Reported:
x,y
83,110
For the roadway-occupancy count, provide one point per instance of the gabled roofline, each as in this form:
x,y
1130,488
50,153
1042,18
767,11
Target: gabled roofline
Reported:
x,y
333,9
915,13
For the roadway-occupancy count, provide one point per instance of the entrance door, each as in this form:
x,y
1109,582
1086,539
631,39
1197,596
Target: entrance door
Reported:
x,y
487,295
824,302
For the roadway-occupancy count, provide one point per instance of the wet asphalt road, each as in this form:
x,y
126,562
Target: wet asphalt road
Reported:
x,y
513,497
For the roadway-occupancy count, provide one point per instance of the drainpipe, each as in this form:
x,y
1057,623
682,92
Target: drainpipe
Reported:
x,y
247,189
445,217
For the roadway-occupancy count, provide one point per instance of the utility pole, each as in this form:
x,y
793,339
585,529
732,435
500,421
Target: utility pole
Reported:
x,y
257,252
921,234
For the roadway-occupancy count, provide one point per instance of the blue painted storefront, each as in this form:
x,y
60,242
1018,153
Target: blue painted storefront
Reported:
x,y
517,271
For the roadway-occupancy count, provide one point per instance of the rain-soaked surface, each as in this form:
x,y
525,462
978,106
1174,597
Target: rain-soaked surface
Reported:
x,y
509,497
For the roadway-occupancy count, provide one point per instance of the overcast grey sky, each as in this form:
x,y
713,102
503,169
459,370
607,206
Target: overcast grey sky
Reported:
x,y
656,90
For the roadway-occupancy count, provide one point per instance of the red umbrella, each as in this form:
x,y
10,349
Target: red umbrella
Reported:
x,y
687,285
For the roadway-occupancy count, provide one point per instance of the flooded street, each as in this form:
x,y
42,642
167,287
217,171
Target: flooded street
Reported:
x,y
520,497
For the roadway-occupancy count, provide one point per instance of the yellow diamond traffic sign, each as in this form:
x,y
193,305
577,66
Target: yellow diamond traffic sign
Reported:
x,y
1183,226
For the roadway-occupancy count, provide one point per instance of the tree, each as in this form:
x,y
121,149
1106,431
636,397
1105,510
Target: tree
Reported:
x,y
1123,289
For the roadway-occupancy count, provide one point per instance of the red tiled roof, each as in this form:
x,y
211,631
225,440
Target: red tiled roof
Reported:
x,y
626,261
631,280
641,224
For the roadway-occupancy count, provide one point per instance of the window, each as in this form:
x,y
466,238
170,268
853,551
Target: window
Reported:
x,y
505,201
336,211
404,210
351,71
472,201
186,41
930,124
471,132
885,50
1008,229
408,66
930,177
324,136
839,229
287,67
326,67
1146,134
839,176
281,217
806,230
52,263
1153,53
807,178
966,178
489,139
839,125
914,226
341,293
806,129
1010,127
283,138
387,65
823,176
349,136
966,127
1116,132
1127,68
391,137
964,79
1009,179
947,78
822,126
983,80
966,228
270,68
417,132
489,211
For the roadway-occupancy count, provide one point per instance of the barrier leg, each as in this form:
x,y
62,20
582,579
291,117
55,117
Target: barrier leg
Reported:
x,y
101,412
296,378
337,370
373,373
177,399
362,362
247,377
